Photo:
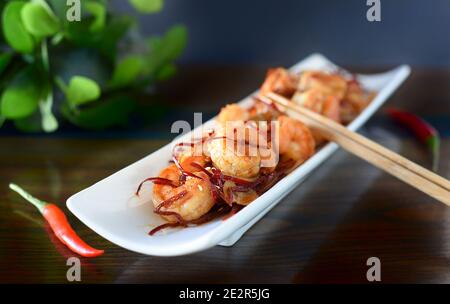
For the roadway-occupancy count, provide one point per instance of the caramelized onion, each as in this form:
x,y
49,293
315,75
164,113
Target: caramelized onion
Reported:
x,y
171,200
184,173
216,211
163,226
224,201
157,180
180,219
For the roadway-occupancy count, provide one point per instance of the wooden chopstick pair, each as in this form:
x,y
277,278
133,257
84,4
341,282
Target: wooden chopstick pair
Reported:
x,y
379,156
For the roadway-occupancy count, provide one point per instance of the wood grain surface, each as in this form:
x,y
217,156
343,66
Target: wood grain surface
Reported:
x,y
324,231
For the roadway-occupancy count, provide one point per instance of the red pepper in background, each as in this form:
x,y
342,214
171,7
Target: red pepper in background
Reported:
x,y
59,224
425,132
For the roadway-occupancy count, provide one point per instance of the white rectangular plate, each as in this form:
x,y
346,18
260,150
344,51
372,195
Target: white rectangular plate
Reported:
x,y
110,208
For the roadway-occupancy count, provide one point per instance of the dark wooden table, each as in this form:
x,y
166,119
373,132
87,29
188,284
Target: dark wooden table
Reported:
x,y
324,231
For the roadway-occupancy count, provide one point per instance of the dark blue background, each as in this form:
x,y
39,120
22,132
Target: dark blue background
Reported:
x,y
282,32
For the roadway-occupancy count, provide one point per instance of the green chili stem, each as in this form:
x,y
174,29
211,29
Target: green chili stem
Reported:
x,y
36,202
433,143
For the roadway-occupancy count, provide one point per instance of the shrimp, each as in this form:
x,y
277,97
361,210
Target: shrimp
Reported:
x,y
258,111
319,102
239,197
240,147
232,112
234,157
295,139
354,101
195,196
261,111
330,84
186,161
279,81
192,154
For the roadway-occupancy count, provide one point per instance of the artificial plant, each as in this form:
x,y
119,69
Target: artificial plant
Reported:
x,y
86,72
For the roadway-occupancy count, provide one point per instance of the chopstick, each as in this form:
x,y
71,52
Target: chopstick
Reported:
x,y
379,156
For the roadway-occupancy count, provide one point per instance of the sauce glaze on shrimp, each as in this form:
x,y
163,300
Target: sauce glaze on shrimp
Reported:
x,y
223,172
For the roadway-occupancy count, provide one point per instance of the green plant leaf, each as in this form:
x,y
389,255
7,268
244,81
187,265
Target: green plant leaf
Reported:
x,y
147,6
4,61
118,109
39,19
127,71
14,30
21,97
114,31
154,42
105,41
166,49
82,90
29,124
68,62
166,72
97,10
60,7
174,42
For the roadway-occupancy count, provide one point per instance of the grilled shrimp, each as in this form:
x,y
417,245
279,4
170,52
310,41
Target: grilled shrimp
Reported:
x,y
280,81
241,148
260,111
330,84
234,158
192,154
354,101
319,102
295,139
235,121
232,112
194,197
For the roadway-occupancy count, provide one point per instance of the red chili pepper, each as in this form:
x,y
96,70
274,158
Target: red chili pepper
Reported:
x,y
59,224
425,132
